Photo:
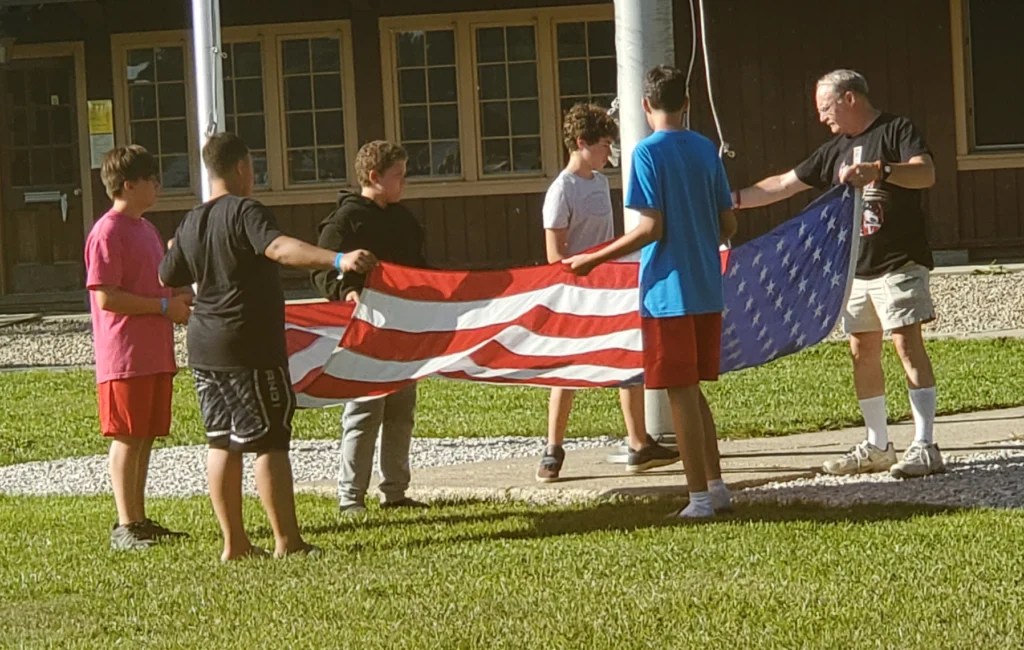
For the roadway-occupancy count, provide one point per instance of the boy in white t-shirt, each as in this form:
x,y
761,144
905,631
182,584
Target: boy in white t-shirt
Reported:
x,y
577,216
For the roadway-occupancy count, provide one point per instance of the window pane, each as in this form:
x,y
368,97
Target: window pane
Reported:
x,y
410,49
300,130
445,159
37,91
996,58
140,66
16,87
412,86
295,56
173,136
443,85
19,128
444,122
494,116
229,98
63,166
170,64
492,82
522,80
60,87
526,154
327,91
419,159
246,60
249,95
572,41
414,123
60,125
326,54
602,76
572,77
297,94
490,45
172,100
441,47
144,133
229,124
175,172
496,157
302,166
40,127
601,38
143,102
521,46
21,169
42,167
331,164
329,129
525,117
253,130
259,166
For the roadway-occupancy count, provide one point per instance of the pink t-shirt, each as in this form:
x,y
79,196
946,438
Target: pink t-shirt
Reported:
x,y
125,252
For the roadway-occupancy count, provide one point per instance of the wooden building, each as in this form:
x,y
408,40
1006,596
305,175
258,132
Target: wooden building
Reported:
x,y
475,95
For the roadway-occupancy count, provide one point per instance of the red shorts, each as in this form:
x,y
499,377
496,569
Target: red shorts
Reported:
x,y
681,351
137,406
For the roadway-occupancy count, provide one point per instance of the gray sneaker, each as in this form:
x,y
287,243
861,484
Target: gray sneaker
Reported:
x,y
865,458
133,537
920,459
352,510
649,456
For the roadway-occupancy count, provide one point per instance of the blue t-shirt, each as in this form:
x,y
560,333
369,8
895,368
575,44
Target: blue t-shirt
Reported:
x,y
680,174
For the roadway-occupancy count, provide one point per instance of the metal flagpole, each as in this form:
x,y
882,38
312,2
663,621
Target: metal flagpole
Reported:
x,y
643,39
209,75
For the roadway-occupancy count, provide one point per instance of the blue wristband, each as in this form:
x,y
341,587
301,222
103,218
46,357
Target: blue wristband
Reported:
x,y
163,306
337,260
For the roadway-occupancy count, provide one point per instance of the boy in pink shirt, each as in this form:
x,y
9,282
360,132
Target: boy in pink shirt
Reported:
x,y
133,318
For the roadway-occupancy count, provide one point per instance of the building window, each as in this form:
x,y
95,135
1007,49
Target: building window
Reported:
x,y
586,63
313,110
428,111
995,58
508,99
157,110
244,112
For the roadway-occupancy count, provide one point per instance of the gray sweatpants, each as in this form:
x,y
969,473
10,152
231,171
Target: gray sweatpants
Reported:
x,y
392,416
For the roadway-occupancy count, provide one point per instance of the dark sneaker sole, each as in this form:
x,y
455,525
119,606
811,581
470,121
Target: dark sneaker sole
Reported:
x,y
903,476
651,464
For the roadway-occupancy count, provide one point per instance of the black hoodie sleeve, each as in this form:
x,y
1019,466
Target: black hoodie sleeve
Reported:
x,y
337,233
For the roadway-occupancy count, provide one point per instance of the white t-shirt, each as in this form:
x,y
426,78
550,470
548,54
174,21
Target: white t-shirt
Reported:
x,y
584,206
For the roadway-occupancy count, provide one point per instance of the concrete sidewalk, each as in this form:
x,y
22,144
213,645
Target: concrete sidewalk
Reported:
x,y
745,463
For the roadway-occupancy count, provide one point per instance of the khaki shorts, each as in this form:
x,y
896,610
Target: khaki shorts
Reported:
x,y
895,300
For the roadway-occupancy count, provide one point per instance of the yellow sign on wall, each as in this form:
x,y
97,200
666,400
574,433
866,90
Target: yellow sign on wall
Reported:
x,y
101,117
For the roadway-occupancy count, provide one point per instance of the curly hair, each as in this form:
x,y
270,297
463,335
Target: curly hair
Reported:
x,y
590,122
378,156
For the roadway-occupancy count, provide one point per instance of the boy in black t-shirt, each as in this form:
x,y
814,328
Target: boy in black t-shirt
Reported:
x,y
230,247
890,288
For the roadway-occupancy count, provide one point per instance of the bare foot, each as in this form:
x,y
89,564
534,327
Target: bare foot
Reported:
x,y
252,552
305,549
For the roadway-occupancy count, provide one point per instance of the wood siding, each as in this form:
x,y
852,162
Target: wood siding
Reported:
x,y
766,57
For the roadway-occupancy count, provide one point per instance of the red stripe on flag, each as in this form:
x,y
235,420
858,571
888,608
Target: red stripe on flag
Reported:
x,y
548,381
497,357
394,345
320,314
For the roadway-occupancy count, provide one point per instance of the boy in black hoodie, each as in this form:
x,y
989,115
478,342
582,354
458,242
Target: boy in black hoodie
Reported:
x,y
374,220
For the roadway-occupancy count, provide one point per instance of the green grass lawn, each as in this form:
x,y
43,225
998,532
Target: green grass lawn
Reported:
x,y
46,415
514,576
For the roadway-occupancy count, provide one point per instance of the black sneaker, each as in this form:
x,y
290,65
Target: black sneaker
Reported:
x,y
159,532
650,456
405,502
550,464
132,537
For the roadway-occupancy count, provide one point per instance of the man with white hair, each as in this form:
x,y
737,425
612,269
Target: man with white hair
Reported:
x,y
890,290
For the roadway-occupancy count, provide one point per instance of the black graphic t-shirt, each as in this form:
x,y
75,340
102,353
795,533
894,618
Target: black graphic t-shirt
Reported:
x,y
893,230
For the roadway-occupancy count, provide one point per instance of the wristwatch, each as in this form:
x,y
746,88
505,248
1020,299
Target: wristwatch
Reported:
x,y
884,170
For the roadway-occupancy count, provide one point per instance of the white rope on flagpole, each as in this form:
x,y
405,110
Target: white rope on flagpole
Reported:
x,y
723,147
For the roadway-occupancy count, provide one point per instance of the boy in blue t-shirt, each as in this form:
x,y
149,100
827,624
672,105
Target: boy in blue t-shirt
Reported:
x,y
678,185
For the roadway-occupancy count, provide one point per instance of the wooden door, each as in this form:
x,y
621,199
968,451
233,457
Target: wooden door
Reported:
x,y
41,232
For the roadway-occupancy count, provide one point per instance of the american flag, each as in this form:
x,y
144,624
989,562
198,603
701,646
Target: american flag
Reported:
x,y
541,326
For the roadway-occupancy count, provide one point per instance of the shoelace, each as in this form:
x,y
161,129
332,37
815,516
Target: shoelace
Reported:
x,y
917,454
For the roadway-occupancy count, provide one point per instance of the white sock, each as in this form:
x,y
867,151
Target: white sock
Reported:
x,y
873,409
922,402
716,484
721,497
700,506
